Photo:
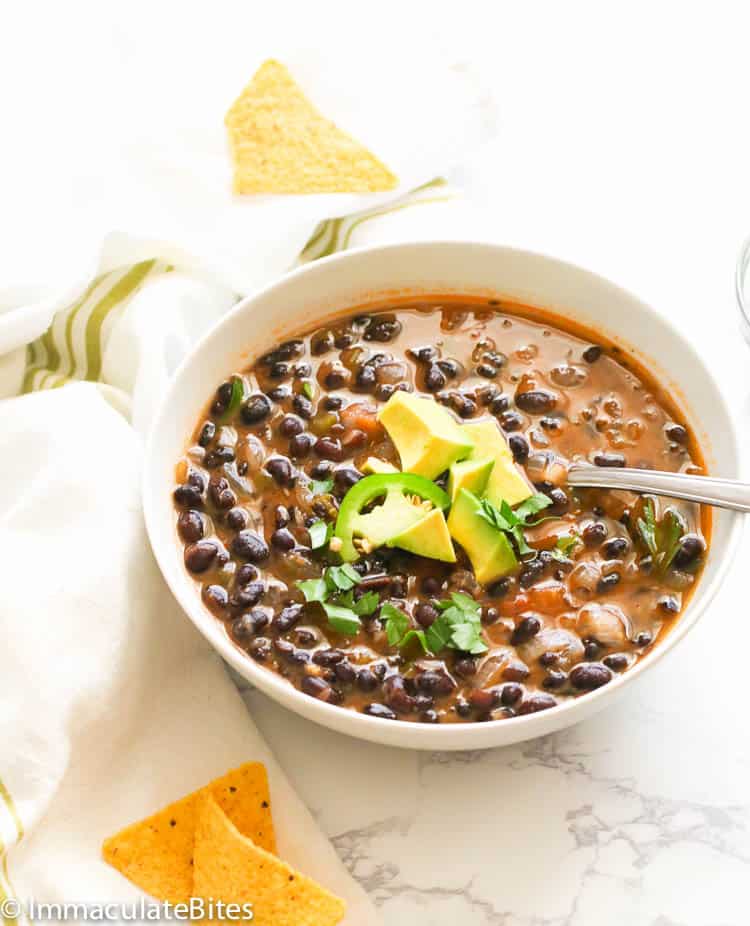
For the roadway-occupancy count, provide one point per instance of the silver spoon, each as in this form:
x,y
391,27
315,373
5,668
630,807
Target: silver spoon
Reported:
x,y
707,490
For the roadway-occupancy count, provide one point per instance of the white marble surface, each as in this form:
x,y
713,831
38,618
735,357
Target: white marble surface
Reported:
x,y
624,145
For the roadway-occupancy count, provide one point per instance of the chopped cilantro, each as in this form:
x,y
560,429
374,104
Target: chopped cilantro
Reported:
x,y
334,590
321,486
513,522
307,388
343,620
342,577
565,546
313,589
367,604
320,533
661,538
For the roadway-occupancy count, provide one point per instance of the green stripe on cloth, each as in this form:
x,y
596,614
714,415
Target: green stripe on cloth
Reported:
x,y
60,356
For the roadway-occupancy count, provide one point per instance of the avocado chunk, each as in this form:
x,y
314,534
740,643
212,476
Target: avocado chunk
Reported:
x,y
506,482
376,465
469,474
428,537
427,438
489,550
396,515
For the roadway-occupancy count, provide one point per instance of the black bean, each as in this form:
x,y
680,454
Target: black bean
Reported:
x,y
208,432
366,681
490,615
465,667
425,614
255,409
346,477
287,617
379,710
462,707
531,572
399,584
281,471
429,716
302,370
383,391
594,534
249,624
383,329
223,397
236,518
554,679
247,595
500,404
329,448
321,342
431,585
188,496
316,687
337,377
540,701
560,501
510,694
550,658
676,433
616,548
422,354
396,695
283,539
608,459
279,393
220,493
200,555
279,371
434,379
328,657
500,588
301,445
590,675
484,700
365,378
299,657
516,671
246,573
487,371
450,367
260,649
463,405
519,447
487,394
511,421
190,526
644,638
215,597
345,671
669,604
608,582
692,547
333,403
536,401
303,406
591,649
525,629
290,425
617,662
435,683
218,456
592,354
322,470
250,546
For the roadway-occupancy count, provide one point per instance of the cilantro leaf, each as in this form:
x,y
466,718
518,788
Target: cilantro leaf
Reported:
x,y
513,522
565,546
419,636
468,637
320,533
342,620
321,486
661,538
531,506
307,388
313,589
458,627
342,577
367,604
438,634
396,623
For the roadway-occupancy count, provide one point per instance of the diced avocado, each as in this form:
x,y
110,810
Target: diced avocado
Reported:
x,y
489,549
395,515
469,474
375,465
506,481
428,537
427,438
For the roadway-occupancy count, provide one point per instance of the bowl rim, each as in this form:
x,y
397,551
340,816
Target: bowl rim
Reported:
x,y
420,735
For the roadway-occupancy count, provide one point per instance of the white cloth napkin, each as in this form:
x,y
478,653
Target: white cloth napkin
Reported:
x,y
112,705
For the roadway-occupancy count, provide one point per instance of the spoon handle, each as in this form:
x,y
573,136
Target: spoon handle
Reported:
x,y
707,490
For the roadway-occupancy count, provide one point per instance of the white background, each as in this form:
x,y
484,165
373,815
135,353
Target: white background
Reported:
x,y
623,145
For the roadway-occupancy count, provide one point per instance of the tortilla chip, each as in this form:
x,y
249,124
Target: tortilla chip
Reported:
x,y
156,854
281,144
231,868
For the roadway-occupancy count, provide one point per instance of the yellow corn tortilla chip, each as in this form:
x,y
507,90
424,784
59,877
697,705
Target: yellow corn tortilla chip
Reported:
x,y
281,144
156,854
229,867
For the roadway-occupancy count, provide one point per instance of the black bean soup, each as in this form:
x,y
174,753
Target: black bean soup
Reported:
x,y
600,575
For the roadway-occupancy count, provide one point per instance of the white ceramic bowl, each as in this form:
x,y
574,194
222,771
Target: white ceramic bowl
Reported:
x,y
354,279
